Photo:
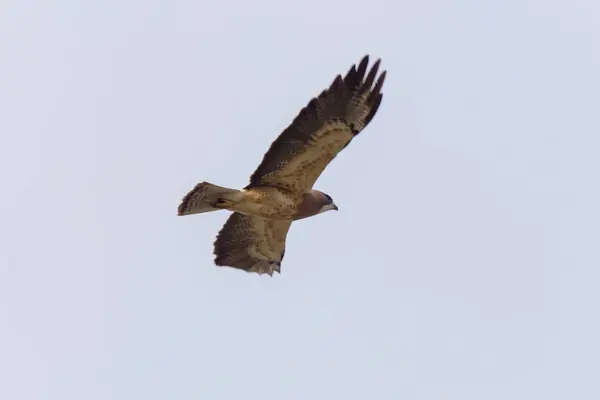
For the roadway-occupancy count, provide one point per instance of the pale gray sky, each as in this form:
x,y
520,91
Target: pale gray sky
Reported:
x,y
463,263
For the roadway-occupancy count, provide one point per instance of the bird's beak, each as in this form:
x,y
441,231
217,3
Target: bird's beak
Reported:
x,y
335,207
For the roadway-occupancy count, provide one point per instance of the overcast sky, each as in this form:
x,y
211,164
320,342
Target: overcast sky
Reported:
x,y
463,263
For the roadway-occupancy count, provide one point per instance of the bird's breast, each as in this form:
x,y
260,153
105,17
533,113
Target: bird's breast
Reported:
x,y
269,203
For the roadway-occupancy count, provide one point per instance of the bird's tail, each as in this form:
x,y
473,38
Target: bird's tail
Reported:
x,y
206,197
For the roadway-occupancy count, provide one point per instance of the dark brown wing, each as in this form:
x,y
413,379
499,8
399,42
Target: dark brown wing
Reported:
x,y
251,243
321,130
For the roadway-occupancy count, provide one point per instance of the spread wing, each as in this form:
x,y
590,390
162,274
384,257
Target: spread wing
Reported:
x,y
321,130
251,243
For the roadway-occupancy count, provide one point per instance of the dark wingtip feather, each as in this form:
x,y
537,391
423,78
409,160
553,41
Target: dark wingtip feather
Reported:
x,y
337,82
362,67
372,74
356,74
379,83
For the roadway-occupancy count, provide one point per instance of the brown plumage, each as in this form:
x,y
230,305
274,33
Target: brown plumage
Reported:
x,y
281,188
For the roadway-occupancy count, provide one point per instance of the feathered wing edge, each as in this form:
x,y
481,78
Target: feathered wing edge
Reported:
x,y
252,244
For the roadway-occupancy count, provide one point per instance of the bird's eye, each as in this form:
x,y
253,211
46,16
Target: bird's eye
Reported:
x,y
328,197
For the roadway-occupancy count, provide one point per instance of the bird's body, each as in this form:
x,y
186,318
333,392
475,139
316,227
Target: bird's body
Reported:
x,y
267,202
281,189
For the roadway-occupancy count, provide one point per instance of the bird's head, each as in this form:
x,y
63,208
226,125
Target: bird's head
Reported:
x,y
325,201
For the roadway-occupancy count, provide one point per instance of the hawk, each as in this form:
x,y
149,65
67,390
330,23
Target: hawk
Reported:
x,y
281,188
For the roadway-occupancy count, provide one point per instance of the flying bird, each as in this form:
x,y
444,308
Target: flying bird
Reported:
x,y
281,188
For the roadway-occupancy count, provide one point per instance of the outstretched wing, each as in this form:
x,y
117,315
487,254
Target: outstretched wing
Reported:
x,y
321,130
251,243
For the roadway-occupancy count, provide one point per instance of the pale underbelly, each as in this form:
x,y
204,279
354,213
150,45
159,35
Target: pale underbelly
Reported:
x,y
268,203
